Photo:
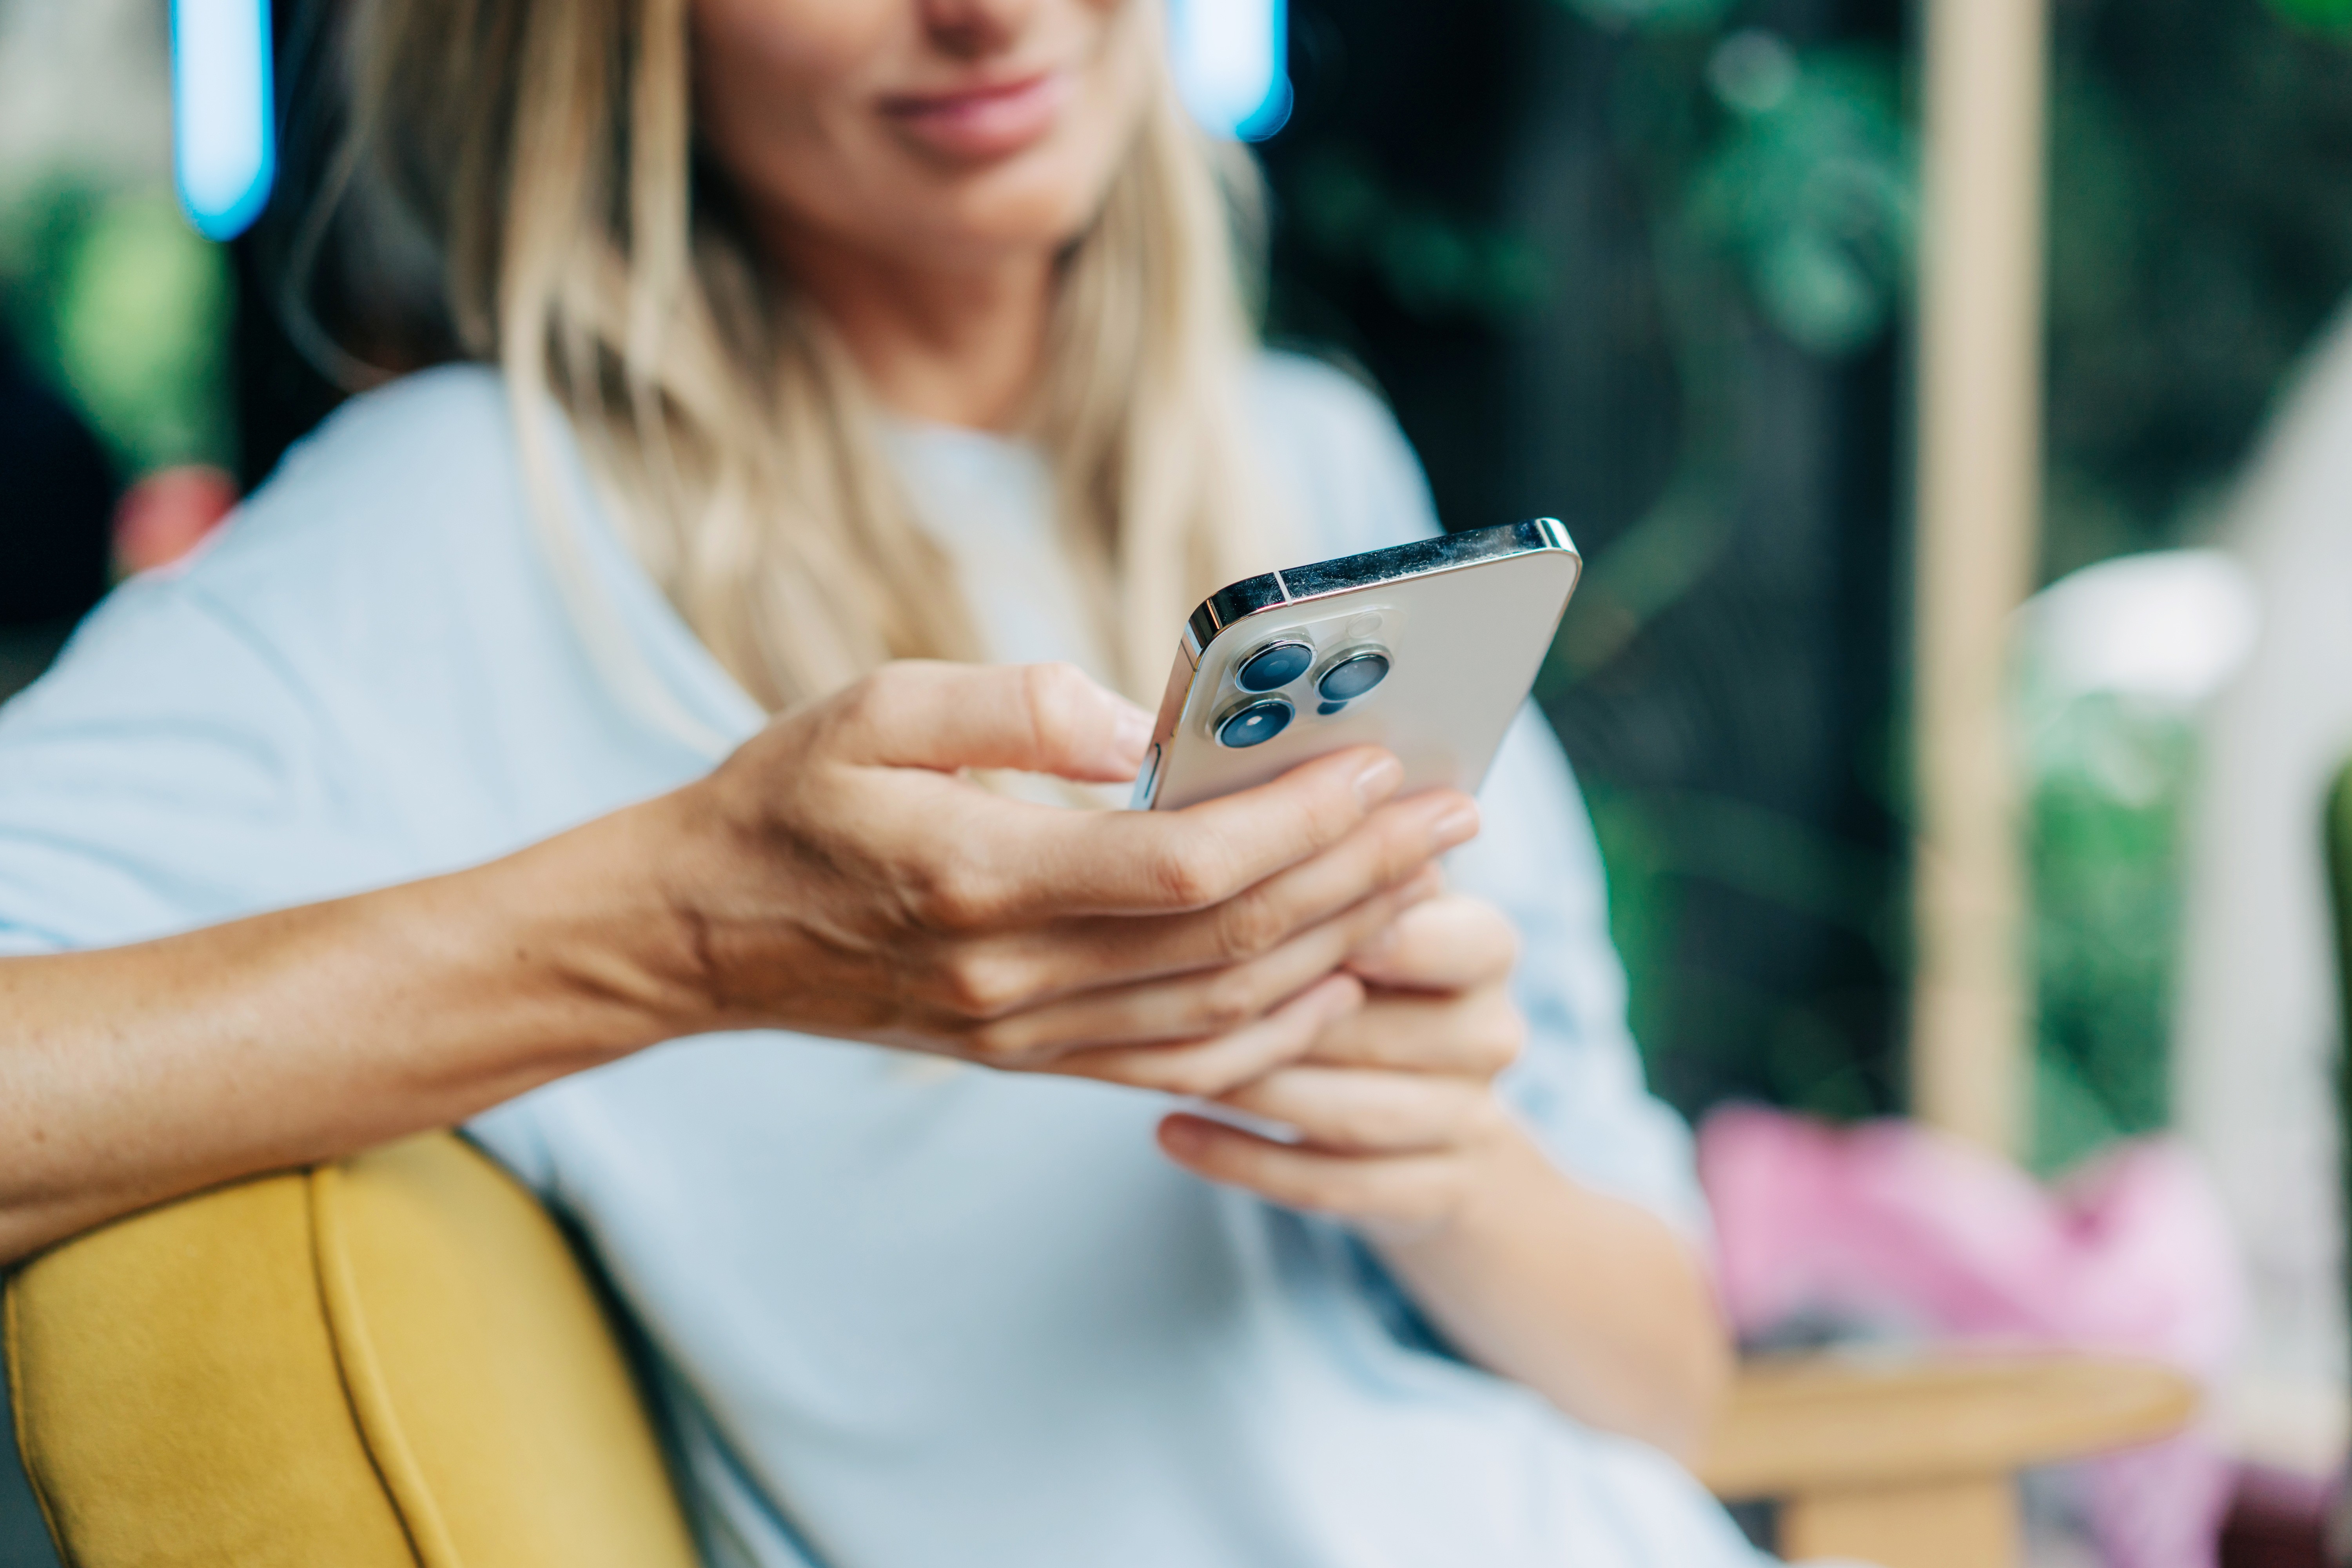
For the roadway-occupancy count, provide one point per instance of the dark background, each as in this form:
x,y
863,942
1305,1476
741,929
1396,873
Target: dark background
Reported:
x,y
1731,715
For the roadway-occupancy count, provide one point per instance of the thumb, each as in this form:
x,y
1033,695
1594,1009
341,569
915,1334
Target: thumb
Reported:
x,y
1032,718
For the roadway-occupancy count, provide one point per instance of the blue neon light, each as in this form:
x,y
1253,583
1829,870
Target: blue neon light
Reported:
x,y
222,125
1232,59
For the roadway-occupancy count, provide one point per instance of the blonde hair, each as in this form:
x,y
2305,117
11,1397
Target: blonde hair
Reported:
x,y
546,148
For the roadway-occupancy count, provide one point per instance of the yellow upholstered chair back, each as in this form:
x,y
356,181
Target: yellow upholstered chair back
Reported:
x,y
392,1361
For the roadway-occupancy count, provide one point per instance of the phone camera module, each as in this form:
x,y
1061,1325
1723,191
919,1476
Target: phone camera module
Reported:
x,y
1254,724
1274,666
1353,675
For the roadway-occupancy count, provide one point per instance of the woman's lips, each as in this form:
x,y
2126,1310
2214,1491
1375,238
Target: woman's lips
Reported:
x,y
983,122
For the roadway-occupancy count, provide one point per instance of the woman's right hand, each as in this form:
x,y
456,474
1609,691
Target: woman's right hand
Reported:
x,y
841,876
838,876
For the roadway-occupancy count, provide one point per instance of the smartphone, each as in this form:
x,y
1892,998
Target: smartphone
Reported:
x,y
1427,648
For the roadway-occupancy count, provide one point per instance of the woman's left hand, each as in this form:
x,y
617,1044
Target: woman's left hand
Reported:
x,y
1590,1299
1395,1107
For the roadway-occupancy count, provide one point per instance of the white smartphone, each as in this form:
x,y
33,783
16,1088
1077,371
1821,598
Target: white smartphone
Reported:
x,y
1427,648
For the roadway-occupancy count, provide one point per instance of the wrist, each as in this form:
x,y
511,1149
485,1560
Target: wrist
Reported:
x,y
595,910
1492,1170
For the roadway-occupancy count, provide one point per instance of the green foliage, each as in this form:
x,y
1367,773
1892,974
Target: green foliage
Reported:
x,y
1656,842
127,310
1657,15
2200,238
1811,188
1431,263
2110,773
2321,16
1794,167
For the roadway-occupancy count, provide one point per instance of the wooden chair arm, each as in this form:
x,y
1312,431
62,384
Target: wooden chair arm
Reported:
x,y
1806,1423
1911,1463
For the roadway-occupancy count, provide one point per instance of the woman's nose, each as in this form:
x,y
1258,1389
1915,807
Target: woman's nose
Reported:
x,y
971,28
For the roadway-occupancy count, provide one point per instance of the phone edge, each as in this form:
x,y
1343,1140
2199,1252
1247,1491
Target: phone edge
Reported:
x,y
1236,602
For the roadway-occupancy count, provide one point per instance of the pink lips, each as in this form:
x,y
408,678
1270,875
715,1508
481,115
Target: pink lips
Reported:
x,y
992,122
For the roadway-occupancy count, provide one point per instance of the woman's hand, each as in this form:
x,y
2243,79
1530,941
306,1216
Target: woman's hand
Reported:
x,y
1394,1105
1590,1301
837,875
841,876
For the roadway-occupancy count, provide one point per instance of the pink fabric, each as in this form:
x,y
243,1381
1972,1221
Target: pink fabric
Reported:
x,y
1895,1227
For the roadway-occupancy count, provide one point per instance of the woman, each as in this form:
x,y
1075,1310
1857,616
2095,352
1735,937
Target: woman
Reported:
x,y
835,341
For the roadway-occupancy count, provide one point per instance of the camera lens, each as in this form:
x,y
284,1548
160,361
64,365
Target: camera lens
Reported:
x,y
1274,666
1353,675
1254,725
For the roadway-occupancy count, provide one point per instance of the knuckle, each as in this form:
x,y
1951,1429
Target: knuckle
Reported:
x,y
874,693
1402,848
1054,695
1192,1077
1181,874
1249,928
1230,1000
998,1044
983,984
957,896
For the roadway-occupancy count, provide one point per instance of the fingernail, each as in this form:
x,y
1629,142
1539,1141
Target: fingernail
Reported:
x,y
1378,779
1456,826
1182,1137
1129,734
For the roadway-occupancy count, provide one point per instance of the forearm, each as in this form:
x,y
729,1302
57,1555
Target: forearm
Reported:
x,y
134,1074
1592,1301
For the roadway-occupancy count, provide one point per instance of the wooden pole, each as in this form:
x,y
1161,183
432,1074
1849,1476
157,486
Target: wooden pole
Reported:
x,y
1980,469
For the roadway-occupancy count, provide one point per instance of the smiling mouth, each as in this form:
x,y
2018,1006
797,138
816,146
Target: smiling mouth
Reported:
x,y
983,122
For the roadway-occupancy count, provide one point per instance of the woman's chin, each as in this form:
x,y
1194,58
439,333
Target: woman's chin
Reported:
x,y
1012,212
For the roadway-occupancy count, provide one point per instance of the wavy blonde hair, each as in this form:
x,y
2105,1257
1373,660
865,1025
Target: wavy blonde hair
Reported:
x,y
546,150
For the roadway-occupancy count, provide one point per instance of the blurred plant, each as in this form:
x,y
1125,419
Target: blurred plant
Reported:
x,y
1432,263
1785,187
2323,16
2199,240
1754,205
1678,16
1654,842
1811,188
127,310
2115,660
2110,776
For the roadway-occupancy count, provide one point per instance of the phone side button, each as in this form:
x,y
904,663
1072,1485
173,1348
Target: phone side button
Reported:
x,y
1146,782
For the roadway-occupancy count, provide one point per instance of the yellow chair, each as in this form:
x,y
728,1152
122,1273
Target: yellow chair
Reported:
x,y
390,1362
395,1361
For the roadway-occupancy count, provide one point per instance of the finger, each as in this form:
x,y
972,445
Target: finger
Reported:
x,y
1163,862
1028,966
1214,1067
1471,1034
1443,944
1191,1007
1362,1111
1035,717
1409,1190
